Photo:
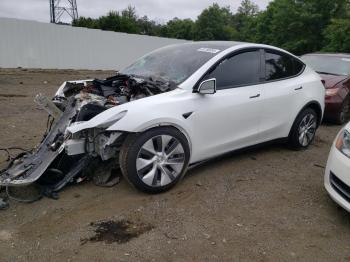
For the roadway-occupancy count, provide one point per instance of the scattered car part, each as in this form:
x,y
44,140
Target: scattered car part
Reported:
x,y
24,199
3,204
103,173
31,166
48,106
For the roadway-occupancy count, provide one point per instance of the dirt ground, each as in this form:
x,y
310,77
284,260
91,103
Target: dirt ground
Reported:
x,y
265,204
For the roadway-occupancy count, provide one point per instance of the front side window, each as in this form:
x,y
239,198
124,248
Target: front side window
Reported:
x,y
238,70
280,66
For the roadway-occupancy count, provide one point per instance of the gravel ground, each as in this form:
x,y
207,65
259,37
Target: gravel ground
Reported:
x,y
265,204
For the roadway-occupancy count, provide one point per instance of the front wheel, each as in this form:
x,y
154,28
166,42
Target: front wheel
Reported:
x,y
304,129
154,161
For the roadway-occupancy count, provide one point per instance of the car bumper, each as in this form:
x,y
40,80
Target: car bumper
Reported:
x,y
337,178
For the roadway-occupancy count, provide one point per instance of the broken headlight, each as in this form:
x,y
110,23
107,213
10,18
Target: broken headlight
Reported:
x,y
343,143
112,120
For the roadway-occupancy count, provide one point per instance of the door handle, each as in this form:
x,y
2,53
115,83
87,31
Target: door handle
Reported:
x,y
298,88
256,96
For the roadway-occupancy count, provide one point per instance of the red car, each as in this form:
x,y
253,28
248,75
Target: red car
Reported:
x,y
335,71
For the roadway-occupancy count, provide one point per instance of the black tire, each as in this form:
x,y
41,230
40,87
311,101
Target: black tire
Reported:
x,y
294,139
343,113
130,154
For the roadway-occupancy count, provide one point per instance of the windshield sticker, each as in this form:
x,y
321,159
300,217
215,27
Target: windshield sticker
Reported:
x,y
208,50
346,59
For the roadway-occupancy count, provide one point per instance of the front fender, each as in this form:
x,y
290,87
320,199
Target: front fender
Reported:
x,y
134,127
159,110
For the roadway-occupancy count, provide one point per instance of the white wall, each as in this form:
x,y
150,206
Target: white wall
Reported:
x,y
31,44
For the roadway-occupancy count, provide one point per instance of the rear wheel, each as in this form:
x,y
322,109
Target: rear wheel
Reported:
x,y
304,129
154,161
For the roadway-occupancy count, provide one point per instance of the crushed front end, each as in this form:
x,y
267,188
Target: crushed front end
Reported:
x,y
61,157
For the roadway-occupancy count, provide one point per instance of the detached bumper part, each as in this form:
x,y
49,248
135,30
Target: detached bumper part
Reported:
x,y
31,166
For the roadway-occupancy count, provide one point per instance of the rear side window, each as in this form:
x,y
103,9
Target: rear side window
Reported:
x,y
298,66
280,66
238,70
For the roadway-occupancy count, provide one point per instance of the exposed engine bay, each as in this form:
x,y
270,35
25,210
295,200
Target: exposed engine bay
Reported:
x,y
62,158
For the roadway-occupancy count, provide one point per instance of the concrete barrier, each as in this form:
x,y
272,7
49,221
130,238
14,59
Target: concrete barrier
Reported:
x,y
31,44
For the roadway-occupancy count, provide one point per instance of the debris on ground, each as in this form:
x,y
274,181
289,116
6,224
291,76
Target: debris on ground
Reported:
x,y
28,194
320,166
116,231
3,204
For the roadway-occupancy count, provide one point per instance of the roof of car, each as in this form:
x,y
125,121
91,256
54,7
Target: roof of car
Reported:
x,y
215,44
343,55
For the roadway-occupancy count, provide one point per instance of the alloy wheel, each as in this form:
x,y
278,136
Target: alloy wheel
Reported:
x,y
307,129
160,160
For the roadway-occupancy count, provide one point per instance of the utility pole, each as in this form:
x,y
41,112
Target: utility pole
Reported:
x,y
63,9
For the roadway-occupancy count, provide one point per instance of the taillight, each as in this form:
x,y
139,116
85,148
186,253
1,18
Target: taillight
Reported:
x,y
332,91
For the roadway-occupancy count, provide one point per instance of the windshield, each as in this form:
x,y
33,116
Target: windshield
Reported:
x,y
173,63
328,64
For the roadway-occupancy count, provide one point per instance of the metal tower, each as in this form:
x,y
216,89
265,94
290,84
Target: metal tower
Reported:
x,y
60,10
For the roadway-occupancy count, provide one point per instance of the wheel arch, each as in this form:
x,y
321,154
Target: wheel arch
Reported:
x,y
315,105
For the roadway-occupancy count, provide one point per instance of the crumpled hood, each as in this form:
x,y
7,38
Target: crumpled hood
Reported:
x,y
101,118
137,106
332,80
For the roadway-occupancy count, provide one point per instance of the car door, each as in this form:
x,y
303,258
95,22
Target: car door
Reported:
x,y
230,118
282,92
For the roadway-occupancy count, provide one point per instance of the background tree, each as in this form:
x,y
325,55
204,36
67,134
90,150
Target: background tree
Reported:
x,y
296,25
148,27
337,36
300,26
244,19
177,28
215,23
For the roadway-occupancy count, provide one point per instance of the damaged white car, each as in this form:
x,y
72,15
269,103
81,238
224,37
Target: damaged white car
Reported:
x,y
173,108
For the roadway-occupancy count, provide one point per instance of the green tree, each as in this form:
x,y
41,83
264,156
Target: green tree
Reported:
x,y
178,28
248,8
148,27
244,19
337,36
295,25
300,26
126,21
215,23
85,22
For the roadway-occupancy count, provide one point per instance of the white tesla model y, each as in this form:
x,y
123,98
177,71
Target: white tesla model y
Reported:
x,y
186,103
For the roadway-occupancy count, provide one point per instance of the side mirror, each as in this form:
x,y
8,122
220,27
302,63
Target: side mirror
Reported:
x,y
207,87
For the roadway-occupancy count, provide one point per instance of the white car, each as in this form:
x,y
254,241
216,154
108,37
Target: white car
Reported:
x,y
212,98
337,176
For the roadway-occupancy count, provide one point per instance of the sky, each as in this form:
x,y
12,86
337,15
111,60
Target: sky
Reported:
x,y
159,10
